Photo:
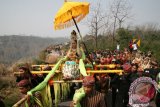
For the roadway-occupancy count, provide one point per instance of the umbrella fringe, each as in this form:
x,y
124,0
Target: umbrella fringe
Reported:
x,y
69,23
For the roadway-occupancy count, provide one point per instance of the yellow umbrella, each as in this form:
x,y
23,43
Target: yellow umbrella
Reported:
x,y
70,13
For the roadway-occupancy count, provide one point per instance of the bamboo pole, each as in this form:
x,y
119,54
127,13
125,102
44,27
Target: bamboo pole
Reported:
x,y
109,65
20,101
42,65
95,65
104,71
89,71
71,81
54,65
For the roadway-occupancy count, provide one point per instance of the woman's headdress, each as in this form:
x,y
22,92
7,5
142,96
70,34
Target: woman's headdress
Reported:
x,y
73,35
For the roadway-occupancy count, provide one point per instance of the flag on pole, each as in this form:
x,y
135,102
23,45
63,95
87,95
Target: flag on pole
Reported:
x,y
137,41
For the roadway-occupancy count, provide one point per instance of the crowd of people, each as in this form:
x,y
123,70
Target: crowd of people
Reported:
x,y
134,64
107,89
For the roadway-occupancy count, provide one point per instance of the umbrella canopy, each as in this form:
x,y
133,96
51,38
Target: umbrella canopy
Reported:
x,y
70,10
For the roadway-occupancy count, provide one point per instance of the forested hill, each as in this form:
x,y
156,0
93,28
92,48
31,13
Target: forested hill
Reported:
x,y
15,47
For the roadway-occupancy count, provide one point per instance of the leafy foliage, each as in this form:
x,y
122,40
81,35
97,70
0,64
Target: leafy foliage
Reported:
x,y
149,40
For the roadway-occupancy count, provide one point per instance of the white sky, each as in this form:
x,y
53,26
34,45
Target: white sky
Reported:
x,y
35,17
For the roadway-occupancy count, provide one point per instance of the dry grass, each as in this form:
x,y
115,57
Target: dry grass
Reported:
x,y
8,90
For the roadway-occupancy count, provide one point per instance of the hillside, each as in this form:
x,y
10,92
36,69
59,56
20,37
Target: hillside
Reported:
x,y
15,47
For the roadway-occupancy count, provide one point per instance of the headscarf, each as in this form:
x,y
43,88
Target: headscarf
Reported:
x,y
24,83
88,81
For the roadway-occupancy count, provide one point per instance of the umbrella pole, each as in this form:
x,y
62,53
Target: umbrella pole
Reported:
x,y
82,40
77,28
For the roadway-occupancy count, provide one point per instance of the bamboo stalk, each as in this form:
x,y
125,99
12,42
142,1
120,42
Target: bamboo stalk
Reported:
x,y
105,71
54,65
71,81
90,71
40,72
20,102
42,65
105,65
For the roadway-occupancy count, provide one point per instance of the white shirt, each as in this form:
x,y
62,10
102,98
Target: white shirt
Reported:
x,y
118,46
134,46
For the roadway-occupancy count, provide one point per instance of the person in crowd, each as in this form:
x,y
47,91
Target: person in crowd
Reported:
x,y
130,46
118,65
155,67
113,89
125,80
102,60
118,47
108,59
153,71
26,74
134,45
70,69
102,85
133,75
137,59
92,97
73,55
122,96
118,57
124,58
146,63
24,86
75,51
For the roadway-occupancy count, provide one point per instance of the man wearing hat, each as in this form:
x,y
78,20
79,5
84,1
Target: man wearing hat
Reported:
x,y
26,74
24,86
91,98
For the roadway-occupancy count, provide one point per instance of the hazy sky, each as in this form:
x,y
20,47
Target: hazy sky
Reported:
x,y
35,17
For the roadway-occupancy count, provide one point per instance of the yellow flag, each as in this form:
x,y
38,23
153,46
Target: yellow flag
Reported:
x,y
139,42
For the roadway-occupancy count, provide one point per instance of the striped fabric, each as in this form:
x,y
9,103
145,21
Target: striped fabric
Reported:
x,y
95,99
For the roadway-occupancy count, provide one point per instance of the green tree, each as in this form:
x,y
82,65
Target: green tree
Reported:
x,y
123,37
